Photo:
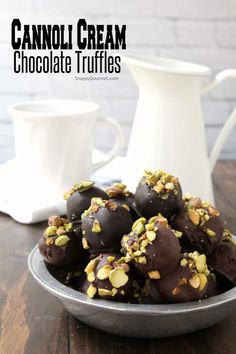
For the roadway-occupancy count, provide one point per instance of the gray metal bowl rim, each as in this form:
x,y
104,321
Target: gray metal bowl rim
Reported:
x,y
46,280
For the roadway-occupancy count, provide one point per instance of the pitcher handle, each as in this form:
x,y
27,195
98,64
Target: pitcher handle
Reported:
x,y
230,122
118,144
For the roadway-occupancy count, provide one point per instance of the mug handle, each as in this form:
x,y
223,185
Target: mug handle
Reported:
x,y
231,120
119,142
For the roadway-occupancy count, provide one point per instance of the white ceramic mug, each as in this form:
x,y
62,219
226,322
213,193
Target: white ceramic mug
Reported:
x,y
54,141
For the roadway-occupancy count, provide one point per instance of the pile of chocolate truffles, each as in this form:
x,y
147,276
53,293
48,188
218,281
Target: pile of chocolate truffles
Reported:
x,y
150,247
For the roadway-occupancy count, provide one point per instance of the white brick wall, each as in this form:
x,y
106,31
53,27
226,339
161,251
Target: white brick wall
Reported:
x,y
195,30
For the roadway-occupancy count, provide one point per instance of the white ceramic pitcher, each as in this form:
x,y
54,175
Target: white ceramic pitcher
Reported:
x,y
168,130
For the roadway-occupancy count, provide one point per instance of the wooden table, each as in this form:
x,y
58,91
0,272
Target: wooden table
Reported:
x,y
33,322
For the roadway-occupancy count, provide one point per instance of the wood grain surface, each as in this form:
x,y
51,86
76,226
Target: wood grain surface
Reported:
x,y
33,322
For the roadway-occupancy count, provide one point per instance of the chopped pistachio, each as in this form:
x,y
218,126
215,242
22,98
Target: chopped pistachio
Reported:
x,y
96,226
194,216
183,262
151,235
91,277
142,260
203,281
85,243
118,277
210,232
169,186
49,241
158,187
154,274
62,240
55,220
201,263
111,258
91,291
182,281
104,292
103,272
91,265
176,291
194,281
50,231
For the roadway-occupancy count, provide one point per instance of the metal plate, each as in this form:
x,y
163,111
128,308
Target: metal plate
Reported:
x,y
134,320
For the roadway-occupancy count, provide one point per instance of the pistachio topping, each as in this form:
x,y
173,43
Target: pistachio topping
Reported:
x,y
210,232
118,277
91,291
104,292
96,226
201,263
117,189
85,243
200,212
91,265
49,241
194,281
111,258
161,182
78,187
104,272
50,231
91,277
183,262
203,281
62,240
176,291
154,274
55,220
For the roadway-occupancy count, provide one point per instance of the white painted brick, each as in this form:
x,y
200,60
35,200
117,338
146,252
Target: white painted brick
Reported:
x,y
123,109
150,32
226,34
81,8
230,144
195,33
15,5
215,112
210,9
216,58
134,8
226,90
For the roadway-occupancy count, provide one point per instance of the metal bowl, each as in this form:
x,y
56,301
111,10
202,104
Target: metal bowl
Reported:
x,y
132,320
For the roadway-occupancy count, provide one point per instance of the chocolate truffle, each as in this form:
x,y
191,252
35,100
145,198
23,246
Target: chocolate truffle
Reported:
x,y
108,277
150,293
119,193
223,258
201,225
79,198
190,281
59,245
158,192
103,225
152,247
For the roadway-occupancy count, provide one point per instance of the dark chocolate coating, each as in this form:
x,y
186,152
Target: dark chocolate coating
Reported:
x,y
167,284
78,202
162,255
128,200
150,293
194,238
72,252
128,288
223,260
150,203
114,224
